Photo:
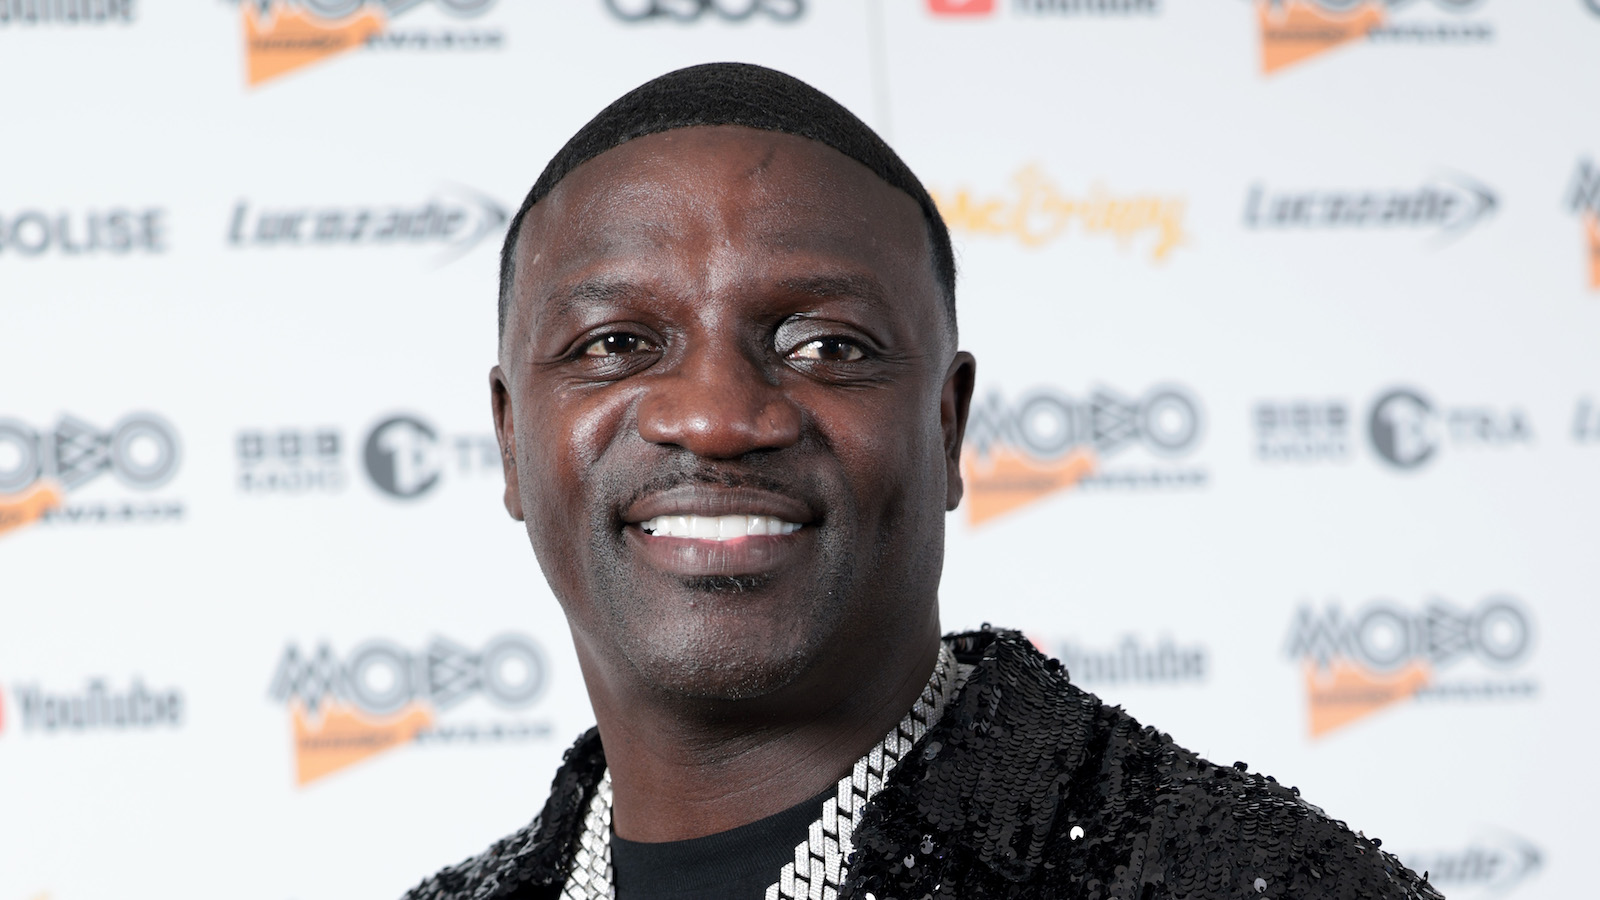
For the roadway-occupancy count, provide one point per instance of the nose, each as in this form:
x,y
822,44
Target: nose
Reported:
x,y
717,403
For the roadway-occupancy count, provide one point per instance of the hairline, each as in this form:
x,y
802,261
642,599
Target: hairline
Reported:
x,y
513,238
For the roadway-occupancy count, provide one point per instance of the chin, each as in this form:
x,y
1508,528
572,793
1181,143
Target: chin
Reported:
x,y
720,649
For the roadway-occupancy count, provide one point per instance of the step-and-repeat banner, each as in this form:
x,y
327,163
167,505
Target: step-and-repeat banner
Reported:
x,y
1286,436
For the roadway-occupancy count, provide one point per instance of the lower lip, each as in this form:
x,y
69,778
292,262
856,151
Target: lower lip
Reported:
x,y
753,555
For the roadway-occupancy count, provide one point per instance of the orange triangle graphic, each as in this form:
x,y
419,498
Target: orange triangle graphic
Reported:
x,y
278,42
1591,228
341,737
1297,30
1006,480
1343,692
18,510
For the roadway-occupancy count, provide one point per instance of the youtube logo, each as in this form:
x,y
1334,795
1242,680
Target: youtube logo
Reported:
x,y
961,7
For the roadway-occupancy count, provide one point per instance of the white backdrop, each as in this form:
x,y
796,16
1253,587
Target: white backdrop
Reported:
x,y
1286,438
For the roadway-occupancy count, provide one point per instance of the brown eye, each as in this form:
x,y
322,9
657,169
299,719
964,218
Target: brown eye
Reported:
x,y
828,350
616,344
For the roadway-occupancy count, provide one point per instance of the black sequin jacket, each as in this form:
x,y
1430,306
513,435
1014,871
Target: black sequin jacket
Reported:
x,y
1028,787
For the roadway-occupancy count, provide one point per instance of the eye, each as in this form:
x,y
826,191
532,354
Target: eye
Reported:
x,y
828,350
619,344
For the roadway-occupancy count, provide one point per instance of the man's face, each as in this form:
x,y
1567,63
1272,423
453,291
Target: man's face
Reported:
x,y
736,409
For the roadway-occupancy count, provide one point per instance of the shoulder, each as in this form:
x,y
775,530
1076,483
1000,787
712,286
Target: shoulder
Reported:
x,y
1191,827
533,861
481,875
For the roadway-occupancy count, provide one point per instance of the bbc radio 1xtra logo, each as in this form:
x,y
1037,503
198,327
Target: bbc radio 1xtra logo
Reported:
x,y
284,36
1355,663
381,696
1295,31
1409,430
1018,451
77,473
406,457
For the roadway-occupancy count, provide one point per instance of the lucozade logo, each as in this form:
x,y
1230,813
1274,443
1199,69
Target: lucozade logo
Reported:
x,y
1583,201
454,221
39,469
1354,666
284,35
383,696
1293,31
1037,211
1018,452
1447,206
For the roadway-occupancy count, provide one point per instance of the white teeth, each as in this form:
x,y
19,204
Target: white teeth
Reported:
x,y
717,528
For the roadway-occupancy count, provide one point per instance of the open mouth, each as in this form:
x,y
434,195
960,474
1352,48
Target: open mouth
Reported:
x,y
717,528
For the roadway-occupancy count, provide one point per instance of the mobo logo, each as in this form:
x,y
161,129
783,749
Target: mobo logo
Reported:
x,y
1357,665
1018,452
383,696
141,451
382,678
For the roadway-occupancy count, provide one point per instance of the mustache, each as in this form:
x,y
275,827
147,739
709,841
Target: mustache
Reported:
x,y
699,473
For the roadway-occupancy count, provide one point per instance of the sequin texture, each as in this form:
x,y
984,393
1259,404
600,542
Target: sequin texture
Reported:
x,y
1027,788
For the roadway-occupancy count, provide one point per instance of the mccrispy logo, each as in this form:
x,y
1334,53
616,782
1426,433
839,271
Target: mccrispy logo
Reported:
x,y
1354,666
284,35
1036,212
382,696
1019,452
1584,202
1293,31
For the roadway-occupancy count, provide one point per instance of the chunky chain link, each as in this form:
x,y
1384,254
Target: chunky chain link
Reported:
x,y
818,866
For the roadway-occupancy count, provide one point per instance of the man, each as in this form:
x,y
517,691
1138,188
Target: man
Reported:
x,y
731,406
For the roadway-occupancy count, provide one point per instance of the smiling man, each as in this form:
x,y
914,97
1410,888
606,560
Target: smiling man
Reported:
x,y
731,406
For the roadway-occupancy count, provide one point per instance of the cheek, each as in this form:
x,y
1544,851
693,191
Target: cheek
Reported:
x,y
570,433
891,451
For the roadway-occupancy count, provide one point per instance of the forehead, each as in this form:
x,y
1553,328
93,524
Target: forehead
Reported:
x,y
694,205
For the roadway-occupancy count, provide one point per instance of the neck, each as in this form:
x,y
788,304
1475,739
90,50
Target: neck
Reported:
x,y
689,769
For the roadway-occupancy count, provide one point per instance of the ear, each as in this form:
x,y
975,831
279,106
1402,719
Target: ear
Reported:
x,y
505,432
954,403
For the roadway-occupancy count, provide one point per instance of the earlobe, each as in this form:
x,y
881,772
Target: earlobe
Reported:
x,y
505,432
955,402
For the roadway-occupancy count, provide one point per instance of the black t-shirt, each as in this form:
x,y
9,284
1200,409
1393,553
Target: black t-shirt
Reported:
x,y
738,864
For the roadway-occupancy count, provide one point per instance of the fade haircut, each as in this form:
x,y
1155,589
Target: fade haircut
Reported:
x,y
735,94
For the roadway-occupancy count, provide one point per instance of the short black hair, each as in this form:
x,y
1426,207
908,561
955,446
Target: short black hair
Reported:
x,y
735,94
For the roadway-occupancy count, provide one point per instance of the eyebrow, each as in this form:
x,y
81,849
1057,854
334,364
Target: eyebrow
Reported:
x,y
602,290
861,287
589,292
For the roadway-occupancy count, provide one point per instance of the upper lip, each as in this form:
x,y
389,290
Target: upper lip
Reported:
x,y
698,499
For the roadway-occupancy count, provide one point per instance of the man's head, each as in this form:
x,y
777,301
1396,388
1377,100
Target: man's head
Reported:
x,y
731,398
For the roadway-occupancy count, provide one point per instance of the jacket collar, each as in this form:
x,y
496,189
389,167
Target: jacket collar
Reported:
x,y
988,778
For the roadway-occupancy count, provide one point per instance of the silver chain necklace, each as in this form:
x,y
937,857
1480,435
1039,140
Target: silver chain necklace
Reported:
x,y
818,866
